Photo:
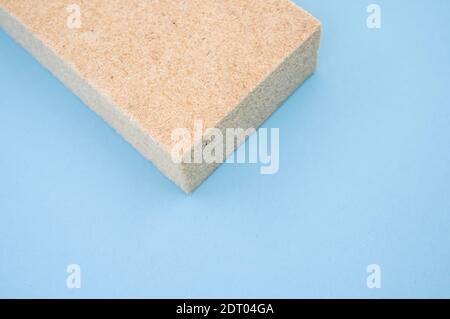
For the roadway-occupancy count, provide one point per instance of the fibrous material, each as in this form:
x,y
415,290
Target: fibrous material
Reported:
x,y
148,67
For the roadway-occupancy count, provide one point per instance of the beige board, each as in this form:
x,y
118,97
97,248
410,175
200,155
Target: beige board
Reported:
x,y
148,67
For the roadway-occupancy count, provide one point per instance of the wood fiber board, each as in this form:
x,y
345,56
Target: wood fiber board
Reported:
x,y
148,67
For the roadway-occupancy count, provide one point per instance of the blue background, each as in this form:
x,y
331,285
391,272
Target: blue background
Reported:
x,y
364,178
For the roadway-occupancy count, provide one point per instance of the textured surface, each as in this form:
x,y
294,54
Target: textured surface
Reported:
x,y
364,178
165,64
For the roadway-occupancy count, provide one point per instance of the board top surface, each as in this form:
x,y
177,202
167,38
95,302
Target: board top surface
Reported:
x,y
166,64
